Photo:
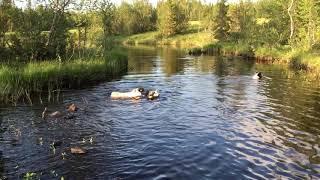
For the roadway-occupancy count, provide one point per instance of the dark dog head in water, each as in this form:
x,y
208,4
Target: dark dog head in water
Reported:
x,y
257,75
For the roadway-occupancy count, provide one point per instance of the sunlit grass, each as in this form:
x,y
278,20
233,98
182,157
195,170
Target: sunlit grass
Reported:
x,y
149,38
194,36
187,40
194,39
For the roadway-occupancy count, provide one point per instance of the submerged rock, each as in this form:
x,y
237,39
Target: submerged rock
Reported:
x,y
78,150
56,114
72,108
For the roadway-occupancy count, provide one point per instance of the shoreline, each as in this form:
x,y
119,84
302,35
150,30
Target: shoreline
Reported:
x,y
196,44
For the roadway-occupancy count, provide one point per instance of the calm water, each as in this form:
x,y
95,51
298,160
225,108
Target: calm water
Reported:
x,y
212,121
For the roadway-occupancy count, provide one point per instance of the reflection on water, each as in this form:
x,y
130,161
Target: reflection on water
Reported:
x,y
1,156
212,121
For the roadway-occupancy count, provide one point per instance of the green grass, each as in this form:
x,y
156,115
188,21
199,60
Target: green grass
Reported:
x,y
145,38
297,59
33,78
194,36
187,40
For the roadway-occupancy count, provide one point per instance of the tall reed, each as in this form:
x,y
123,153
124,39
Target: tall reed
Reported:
x,y
35,78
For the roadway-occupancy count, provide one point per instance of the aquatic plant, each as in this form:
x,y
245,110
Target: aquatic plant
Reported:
x,y
63,155
30,175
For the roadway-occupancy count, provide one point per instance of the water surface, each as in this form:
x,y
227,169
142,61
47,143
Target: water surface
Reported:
x,y
212,121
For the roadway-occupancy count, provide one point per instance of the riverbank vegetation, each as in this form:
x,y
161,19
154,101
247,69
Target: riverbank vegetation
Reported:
x,y
50,45
269,30
47,78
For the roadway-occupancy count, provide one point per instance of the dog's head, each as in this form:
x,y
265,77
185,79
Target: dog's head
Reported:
x,y
152,94
138,90
259,74
141,90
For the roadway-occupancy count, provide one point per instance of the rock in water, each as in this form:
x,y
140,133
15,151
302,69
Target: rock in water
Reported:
x,y
78,150
72,108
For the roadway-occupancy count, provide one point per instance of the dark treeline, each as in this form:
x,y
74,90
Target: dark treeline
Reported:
x,y
56,28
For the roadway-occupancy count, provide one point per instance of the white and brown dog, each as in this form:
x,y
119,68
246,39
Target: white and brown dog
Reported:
x,y
134,94
137,93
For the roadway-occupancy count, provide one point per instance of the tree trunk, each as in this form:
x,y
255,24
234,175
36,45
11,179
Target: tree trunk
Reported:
x,y
85,36
79,41
52,28
79,38
291,20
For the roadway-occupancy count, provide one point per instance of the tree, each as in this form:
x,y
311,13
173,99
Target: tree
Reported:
x,y
134,18
171,18
5,7
306,21
272,22
59,7
290,7
107,11
221,27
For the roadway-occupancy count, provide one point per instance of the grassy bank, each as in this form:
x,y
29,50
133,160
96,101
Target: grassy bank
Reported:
x,y
197,43
195,36
37,78
297,59
189,40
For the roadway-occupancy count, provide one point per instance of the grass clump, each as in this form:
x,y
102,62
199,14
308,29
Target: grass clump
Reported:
x,y
34,78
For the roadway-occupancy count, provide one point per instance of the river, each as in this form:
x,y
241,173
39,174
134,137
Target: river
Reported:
x,y
212,121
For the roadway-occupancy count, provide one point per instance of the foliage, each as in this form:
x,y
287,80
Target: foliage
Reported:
x,y
272,23
30,176
220,28
135,18
171,18
28,38
307,22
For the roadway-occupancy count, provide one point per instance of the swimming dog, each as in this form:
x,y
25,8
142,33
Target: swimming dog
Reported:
x,y
134,94
151,95
257,75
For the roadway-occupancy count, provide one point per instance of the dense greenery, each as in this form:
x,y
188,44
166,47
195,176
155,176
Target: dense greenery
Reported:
x,y
171,18
220,23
